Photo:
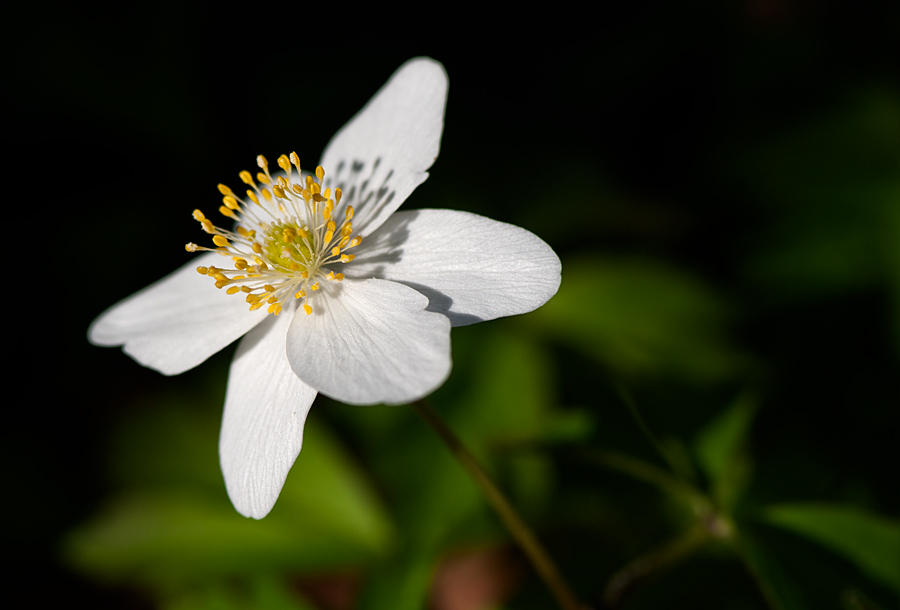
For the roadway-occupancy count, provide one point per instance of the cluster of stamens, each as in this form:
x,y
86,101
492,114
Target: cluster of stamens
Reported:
x,y
286,235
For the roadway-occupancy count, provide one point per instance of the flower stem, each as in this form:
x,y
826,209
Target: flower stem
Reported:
x,y
521,533
654,562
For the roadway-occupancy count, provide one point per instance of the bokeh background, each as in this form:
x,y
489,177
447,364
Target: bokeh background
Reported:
x,y
705,416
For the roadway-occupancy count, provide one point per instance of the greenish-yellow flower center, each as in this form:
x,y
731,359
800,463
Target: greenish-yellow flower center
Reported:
x,y
286,237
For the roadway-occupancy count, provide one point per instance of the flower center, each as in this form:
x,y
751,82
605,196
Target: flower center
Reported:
x,y
285,238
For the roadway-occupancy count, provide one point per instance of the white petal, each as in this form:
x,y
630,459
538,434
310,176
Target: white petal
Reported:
x,y
470,267
381,155
265,409
370,342
178,322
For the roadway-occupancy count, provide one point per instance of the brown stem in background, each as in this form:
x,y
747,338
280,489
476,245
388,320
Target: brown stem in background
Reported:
x,y
520,532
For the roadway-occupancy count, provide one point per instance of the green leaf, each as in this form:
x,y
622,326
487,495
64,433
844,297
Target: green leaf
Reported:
x,y
402,582
641,317
832,185
503,402
772,576
870,541
260,593
168,535
721,449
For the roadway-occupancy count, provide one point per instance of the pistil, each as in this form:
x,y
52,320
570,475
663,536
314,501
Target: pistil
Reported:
x,y
285,239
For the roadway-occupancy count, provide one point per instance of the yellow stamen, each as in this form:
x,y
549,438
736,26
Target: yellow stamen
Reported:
x,y
283,250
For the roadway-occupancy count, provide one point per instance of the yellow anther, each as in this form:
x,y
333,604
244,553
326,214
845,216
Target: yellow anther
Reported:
x,y
300,295
343,242
307,309
253,197
233,290
272,300
326,213
339,277
246,178
245,289
337,195
202,270
349,212
208,225
240,263
229,213
261,162
335,251
231,202
251,298
320,172
257,305
305,275
308,180
355,241
295,159
190,247
314,286
275,309
212,270
279,192
265,193
262,177
198,216
328,236
221,284
346,258
225,190
220,241
330,275
269,288
257,248
285,164
220,277
305,194
347,229
297,189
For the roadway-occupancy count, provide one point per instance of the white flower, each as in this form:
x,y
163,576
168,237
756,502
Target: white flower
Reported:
x,y
363,297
